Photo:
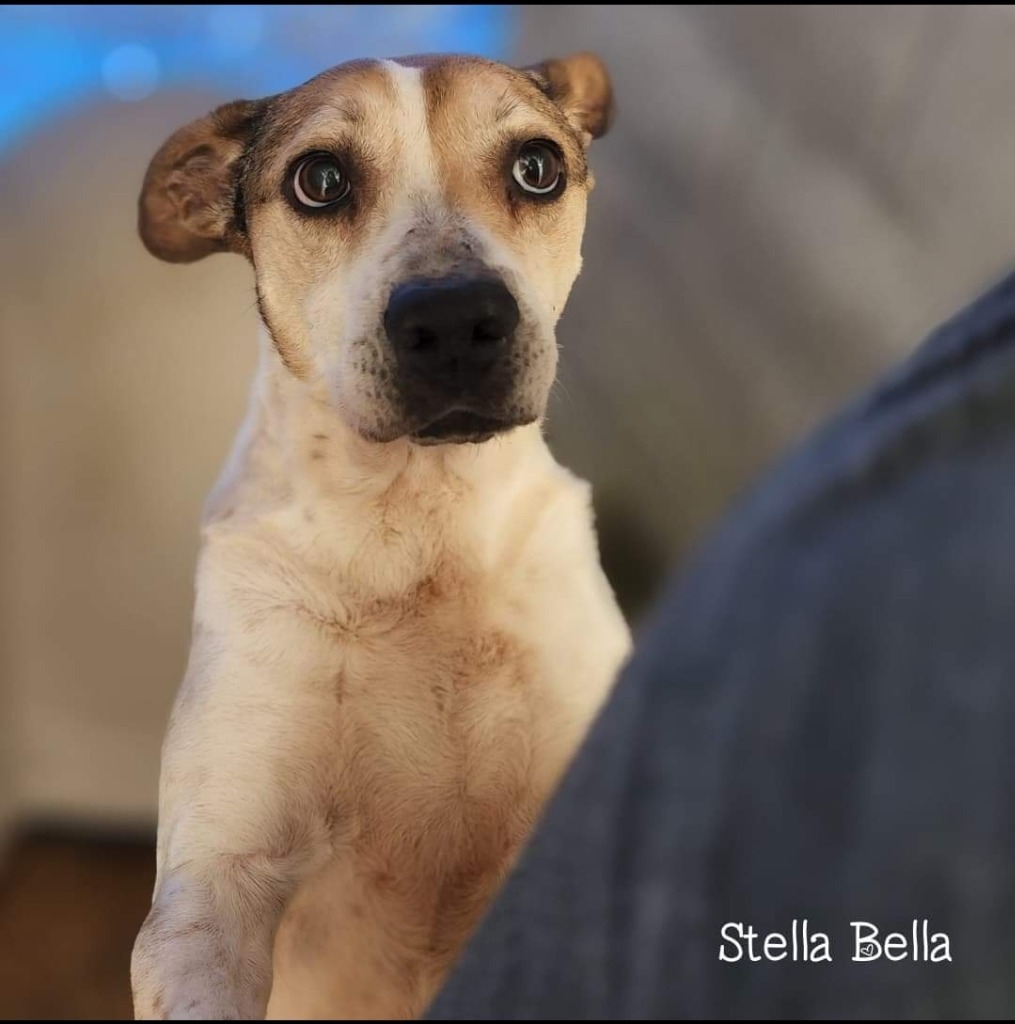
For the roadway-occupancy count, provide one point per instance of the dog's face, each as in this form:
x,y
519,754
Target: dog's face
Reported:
x,y
415,227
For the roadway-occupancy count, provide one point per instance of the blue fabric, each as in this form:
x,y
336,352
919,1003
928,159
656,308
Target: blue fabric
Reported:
x,y
819,723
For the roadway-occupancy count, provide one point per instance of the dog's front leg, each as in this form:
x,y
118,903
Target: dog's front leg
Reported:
x,y
204,952
242,820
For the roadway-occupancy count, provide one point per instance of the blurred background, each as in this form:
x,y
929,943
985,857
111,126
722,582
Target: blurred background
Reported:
x,y
790,198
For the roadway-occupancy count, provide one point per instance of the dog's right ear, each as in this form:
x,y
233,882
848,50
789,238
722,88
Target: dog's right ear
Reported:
x,y
189,204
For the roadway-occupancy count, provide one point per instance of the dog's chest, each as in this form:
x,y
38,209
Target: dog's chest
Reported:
x,y
433,689
436,775
435,710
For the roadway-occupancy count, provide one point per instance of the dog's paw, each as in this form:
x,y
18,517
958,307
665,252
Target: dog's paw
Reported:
x,y
174,977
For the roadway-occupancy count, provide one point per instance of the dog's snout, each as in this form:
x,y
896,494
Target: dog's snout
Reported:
x,y
451,326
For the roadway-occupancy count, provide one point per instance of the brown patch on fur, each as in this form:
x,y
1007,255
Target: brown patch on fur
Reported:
x,y
383,881
580,85
495,649
334,815
342,112
204,187
498,109
188,200
440,696
375,617
339,112
261,130
465,94
159,1002
287,353
331,103
460,899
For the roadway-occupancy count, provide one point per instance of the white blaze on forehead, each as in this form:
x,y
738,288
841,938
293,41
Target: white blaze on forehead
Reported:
x,y
419,166
344,306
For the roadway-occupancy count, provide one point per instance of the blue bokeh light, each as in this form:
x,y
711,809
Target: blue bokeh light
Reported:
x,y
55,57
131,72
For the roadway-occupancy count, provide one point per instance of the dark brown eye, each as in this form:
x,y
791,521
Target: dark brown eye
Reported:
x,y
320,181
538,168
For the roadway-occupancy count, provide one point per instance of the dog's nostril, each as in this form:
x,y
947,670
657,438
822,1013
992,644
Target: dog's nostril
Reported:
x,y
423,339
488,332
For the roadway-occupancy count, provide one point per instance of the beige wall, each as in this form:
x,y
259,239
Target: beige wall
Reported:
x,y
122,381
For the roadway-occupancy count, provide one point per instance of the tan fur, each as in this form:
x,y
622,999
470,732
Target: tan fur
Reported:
x,y
396,647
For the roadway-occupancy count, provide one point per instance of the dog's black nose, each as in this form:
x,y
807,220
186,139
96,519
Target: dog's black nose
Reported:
x,y
450,328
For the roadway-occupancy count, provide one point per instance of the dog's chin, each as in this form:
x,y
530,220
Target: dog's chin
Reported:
x,y
462,426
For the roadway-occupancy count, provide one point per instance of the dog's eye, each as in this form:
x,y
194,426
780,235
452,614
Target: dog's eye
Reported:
x,y
320,181
538,168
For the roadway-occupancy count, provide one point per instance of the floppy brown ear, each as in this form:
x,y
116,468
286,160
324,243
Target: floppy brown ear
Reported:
x,y
188,204
580,86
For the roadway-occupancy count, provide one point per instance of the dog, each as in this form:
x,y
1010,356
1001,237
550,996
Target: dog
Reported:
x,y
401,630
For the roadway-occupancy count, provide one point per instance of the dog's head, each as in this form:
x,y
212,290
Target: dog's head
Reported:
x,y
415,227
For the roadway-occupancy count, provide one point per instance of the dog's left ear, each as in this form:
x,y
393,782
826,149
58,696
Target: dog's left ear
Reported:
x,y
189,201
580,86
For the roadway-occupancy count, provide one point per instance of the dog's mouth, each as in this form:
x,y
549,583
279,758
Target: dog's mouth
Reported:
x,y
460,426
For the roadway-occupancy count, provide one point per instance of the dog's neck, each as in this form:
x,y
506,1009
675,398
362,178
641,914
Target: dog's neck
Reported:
x,y
296,452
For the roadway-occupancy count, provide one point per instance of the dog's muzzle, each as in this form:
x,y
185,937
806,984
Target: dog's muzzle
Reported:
x,y
452,338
